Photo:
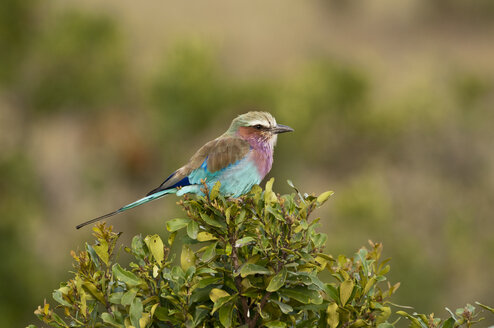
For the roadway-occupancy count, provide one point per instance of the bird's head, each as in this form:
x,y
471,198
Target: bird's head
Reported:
x,y
258,127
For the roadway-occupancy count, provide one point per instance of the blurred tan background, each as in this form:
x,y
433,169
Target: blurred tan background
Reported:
x,y
391,101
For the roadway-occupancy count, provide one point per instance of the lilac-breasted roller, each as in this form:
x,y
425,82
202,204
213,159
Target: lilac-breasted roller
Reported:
x,y
239,158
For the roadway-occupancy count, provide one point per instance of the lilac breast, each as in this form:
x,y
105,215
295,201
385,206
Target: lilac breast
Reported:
x,y
262,155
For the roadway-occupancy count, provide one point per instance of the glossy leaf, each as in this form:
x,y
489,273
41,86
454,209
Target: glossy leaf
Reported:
x,y
277,281
322,198
205,236
285,308
102,251
156,246
187,258
250,269
192,229
209,253
136,309
216,294
333,315
125,276
275,324
177,224
244,241
226,315
346,290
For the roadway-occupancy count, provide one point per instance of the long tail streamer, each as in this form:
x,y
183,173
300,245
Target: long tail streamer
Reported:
x,y
129,206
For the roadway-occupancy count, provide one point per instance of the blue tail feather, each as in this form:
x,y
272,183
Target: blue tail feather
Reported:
x,y
138,202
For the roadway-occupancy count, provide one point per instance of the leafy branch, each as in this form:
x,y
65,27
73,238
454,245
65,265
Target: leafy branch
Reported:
x,y
255,261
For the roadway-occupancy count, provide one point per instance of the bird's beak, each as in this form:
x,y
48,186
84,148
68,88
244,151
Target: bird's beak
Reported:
x,y
280,128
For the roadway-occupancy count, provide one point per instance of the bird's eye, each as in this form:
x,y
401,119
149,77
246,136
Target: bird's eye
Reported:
x,y
258,126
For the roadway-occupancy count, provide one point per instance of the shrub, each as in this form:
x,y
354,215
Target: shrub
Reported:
x,y
253,261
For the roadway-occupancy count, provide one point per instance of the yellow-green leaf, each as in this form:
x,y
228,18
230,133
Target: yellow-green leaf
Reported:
x,y
324,197
346,289
384,315
192,229
209,253
205,236
188,258
275,324
177,224
213,222
277,281
269,195
333,315
135,312
155,245
102,251
369,285
215,294
249,269
226,315
91,288
171,238
215,191
126,276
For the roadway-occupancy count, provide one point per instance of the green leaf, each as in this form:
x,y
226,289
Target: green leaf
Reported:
x,y
93,290
136,312
156,246
488,308
137,246
92,254
226,314
204,282
209,253
102,251
129,278
250,268
387,325
244,241
414,321
302,294
346,289
109,319
177,224
212,222
285,308
450,323
275,324
322,198
269,186
215,294
128,296
192,229
171,238
188,258
333,292
297,293
369,285
205,236
277,281
333,315
269,195
384,315
215,191
115,298
57,296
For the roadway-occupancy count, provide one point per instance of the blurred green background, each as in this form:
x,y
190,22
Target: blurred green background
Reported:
x,y
392,103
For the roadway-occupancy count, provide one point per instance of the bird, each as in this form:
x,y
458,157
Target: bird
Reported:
x,y
239,159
